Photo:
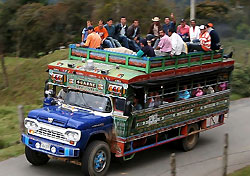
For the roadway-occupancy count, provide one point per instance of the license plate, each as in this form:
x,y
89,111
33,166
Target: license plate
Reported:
x,y
45,146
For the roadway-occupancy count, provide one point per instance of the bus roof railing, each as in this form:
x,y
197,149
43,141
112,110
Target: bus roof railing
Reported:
x,y
146,64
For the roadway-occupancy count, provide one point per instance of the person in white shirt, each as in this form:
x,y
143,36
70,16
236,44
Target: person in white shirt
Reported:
x,y
178,45
194,32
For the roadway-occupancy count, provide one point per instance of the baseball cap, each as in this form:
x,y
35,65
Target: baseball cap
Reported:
x,y
210,24
202,27
90,28
182,20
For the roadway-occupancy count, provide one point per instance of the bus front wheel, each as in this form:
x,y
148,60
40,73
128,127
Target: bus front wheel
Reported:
x,y
36,158
189,142
96,159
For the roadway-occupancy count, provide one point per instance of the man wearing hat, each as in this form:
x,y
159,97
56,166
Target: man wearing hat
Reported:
x,y
205,41
183,30
93,40
153,34
215,39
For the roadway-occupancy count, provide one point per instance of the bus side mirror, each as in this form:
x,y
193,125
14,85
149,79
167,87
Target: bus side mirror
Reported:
x,y
128,108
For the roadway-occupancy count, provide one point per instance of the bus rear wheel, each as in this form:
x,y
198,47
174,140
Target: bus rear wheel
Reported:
x,y
96,159
36,158
189,142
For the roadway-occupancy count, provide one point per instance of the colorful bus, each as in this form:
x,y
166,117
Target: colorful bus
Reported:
x,y
98,103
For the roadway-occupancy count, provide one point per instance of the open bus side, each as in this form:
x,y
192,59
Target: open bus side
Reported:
x,y
171,121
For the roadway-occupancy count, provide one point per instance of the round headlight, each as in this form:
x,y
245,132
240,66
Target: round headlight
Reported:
x,y
72,136
30,125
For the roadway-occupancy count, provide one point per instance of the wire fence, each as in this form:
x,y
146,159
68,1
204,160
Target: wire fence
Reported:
x,y
224,165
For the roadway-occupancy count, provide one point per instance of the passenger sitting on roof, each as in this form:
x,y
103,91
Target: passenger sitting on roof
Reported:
x,y
184,94
153,34
93,40
194,31
145,50
178,45
164,47
102,31
85,31
183,30
215,39
111,31
205,41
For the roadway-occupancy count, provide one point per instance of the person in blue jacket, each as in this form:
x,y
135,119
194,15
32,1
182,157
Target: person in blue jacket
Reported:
x,y
184,94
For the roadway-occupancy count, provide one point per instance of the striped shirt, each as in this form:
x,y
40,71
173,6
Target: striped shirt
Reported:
x,y
205,41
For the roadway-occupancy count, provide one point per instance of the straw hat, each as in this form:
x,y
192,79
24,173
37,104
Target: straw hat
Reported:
x,y
156,19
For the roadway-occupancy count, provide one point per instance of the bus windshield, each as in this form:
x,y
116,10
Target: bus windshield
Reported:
x,y
89,101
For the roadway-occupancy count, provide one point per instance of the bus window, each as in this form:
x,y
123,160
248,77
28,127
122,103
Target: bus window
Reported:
x,y
223,81
154,99
119,104
169,94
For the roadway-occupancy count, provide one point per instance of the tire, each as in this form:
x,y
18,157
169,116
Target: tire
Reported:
x,y
189,142
36,158
96,159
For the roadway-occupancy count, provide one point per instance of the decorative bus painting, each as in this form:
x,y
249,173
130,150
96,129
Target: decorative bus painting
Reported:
x,y
114,103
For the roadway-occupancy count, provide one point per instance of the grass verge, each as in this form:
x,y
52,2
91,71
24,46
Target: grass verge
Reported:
x,y
241,172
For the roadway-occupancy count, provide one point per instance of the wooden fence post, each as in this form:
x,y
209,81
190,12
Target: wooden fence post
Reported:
x,y
173,164
225,156
4,71
21,118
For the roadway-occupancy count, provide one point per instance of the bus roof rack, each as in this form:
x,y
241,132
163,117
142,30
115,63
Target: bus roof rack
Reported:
x,y
145,64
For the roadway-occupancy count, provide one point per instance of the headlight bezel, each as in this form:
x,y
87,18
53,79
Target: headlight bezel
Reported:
x,y
31,124
72,135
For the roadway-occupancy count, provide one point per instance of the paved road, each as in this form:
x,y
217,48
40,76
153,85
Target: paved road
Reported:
x,y
155,162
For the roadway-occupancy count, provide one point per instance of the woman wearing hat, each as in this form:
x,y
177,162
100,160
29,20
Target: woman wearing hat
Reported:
x,y
153,34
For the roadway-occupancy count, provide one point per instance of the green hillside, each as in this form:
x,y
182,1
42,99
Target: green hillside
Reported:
x,y
26,79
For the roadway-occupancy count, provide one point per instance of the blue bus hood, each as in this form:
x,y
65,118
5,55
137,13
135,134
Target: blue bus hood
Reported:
x,y
81,119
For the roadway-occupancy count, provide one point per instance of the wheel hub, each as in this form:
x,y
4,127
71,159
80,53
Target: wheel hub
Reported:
x,y
100,161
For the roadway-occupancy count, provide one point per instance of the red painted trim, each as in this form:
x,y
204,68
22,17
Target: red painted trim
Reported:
x,y
150,76
184,130
90,74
